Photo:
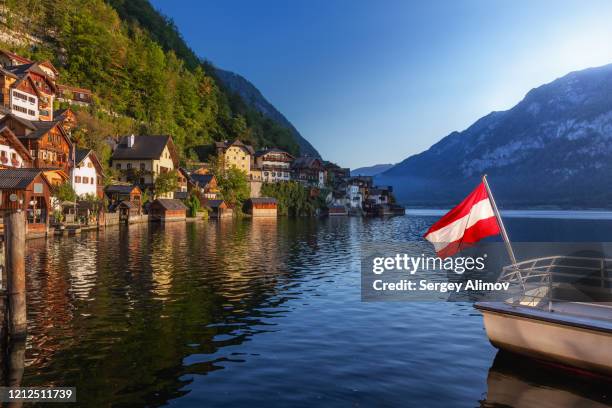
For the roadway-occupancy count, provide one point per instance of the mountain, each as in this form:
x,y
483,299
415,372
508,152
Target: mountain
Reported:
x,y
371,170
253,97
554,148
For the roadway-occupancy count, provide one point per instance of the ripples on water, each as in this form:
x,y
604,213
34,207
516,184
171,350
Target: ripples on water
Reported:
x,y
262,312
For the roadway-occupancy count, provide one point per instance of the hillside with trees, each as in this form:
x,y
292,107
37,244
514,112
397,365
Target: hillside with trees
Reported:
x,y
145,78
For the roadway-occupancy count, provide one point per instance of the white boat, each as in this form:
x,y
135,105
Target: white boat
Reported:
x,y
560,311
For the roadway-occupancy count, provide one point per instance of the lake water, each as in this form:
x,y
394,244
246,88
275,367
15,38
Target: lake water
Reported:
x,y
268,313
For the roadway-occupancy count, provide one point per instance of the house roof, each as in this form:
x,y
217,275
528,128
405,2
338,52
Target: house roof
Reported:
x,y
307,162
26,123
226,145
62,88
263,200
272,150
120,188
170,204
145,148
80,155
22,70
15,57
18,179
42,127
16,144
201,179
214,203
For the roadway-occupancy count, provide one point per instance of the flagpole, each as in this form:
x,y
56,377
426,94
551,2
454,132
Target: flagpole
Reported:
x,y
499,221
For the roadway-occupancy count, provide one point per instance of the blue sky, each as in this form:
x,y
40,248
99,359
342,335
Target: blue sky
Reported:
x,y
371,82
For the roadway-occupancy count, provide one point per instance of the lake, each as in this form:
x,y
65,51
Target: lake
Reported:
x,y
268,312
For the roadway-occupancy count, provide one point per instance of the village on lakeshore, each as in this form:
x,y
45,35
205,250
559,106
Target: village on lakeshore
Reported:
x,y
64,187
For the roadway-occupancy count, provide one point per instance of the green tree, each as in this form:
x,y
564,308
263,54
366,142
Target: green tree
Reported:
x,y
193,205
166,183
234,186
65,192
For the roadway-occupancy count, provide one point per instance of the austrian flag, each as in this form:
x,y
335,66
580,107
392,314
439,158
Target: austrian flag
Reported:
x,y
469,222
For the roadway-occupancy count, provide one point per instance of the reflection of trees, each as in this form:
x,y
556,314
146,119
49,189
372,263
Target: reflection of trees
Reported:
x,y
159,294
522,382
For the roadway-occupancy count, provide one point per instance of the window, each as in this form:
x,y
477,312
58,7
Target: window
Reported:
x,y
85,180
118,166
142,166
38,188
77,179
129,166
89,164
91,180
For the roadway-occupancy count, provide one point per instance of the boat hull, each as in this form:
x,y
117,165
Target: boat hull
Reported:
x,y
549,338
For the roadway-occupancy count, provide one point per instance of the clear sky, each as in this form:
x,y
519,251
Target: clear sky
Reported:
x,y
371,82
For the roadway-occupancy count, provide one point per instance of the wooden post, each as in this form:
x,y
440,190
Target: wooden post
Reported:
x,y
14,235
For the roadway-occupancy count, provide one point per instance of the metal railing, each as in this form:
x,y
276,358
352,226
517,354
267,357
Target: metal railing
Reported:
x,y
540,282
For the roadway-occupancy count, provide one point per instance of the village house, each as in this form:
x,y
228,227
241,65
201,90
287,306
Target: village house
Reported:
x,y
48,145
357,190
275,165
141,159
309,171
74,95
27,189
124,193
218,209
19,95
336,174
235,154
9,59
204,185
30,90
87,176
166,210
12,152
261,207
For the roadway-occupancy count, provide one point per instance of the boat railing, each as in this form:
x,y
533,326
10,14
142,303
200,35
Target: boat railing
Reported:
x,y
541,282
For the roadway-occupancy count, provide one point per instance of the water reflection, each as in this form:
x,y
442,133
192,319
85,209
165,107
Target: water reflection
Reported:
x,y
514,381
263,311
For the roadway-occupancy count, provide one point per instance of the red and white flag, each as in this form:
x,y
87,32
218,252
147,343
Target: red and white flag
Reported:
x,y
469,222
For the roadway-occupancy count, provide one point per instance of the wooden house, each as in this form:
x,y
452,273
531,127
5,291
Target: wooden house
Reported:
x,y
119,193
74,95
68,119
167,209
28,190
218,209
47,142
261,207
309,171
36,82
204,186
12,152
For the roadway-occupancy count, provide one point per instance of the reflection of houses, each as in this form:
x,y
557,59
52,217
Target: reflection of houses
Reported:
x,y
12,152
87,176
166,210
274,164
309,171
235,154
27,189
141,159
261,207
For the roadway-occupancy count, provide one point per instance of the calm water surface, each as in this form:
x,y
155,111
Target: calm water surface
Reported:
x,y
267,312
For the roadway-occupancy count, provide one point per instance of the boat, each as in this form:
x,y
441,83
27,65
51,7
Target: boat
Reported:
x,y
559,310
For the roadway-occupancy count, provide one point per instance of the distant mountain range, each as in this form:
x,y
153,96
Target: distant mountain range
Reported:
x,y
371,170
252,96
554,148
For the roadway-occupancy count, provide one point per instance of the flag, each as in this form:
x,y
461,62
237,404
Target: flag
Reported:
x,y
469,222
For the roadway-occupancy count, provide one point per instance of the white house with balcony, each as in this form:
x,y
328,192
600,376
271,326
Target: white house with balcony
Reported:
x,y
275,165
24,104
